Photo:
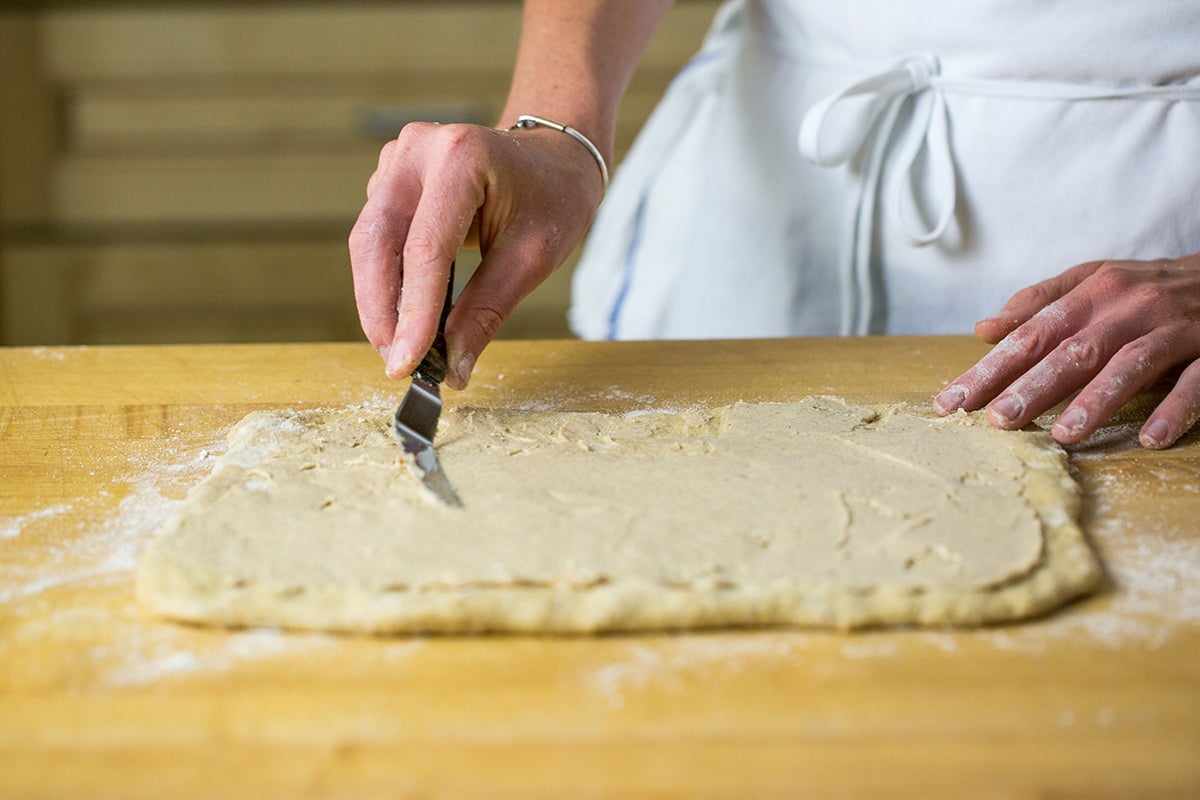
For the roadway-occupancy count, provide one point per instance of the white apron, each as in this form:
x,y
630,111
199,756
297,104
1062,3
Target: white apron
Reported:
x,y
876,166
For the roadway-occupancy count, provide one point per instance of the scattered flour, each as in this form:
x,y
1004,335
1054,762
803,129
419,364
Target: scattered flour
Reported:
x,y
868,647
12,528
567,397
54,354
664,661
162,653
96,544
1155,594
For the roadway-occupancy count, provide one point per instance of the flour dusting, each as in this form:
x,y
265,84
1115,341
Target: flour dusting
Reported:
x,y
666,661
52,354
86,552
1155,595
163,653
14,527
93,545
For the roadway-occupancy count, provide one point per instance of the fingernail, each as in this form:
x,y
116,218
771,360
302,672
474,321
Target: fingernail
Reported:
x,y
397,360
950,399
1156,433
384,352
462,370
1008,409
1072,421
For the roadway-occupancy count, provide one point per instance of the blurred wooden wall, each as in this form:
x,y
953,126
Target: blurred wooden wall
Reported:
x,y
174,172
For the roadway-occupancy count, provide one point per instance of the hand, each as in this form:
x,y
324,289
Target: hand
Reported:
x,y
1109,328
524,198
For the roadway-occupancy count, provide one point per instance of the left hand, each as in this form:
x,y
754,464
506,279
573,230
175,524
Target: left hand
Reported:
x,y
1107,328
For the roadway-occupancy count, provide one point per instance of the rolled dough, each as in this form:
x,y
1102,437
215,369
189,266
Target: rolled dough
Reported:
x,y
815,513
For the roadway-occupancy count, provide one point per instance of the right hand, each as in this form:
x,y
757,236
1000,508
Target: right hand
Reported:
x,y
524,197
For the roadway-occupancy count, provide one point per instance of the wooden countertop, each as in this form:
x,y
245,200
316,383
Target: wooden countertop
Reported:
x,y
98,445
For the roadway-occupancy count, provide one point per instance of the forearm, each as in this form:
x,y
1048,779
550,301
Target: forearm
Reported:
x,y
575,60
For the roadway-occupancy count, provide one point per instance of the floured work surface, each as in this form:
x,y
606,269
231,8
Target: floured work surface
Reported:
x,y
809,513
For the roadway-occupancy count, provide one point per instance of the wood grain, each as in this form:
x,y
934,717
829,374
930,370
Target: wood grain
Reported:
x,y
97,445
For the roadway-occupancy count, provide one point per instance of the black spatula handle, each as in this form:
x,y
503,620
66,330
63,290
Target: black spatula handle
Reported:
x,y
433,366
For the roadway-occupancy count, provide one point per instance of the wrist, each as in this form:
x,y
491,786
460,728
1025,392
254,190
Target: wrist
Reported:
x,y
599,134
530,121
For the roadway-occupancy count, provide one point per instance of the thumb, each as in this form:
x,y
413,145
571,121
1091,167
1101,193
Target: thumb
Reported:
x,y
502,280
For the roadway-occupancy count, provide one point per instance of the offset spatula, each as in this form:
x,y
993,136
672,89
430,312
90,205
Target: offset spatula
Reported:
x,y
416,419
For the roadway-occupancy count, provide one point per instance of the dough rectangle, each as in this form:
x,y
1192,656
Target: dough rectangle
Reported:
x,y
813,513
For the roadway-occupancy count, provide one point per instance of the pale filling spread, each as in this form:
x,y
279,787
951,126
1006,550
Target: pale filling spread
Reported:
x,y
812,493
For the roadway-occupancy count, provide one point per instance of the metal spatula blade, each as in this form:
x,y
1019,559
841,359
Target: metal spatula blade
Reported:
x,y
414,426
415,422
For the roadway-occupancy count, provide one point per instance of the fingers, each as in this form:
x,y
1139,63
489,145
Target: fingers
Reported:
x,y
1073,363
1176,414
376,242
1026,303
1134,367
508,272
1013,357
440,224
375,245
421,201
1116,328
474,322
386,154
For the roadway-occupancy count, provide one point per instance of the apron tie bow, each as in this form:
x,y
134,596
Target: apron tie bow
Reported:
x,y
858,126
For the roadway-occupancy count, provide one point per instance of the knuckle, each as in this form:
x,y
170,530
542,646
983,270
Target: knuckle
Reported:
x,y
460,145
422,249
388,155
543,250
538,255
1164,347
1138,289
486,320
1115,278
415,138
364,228
361,239
1148,295
413,132
1142,355
1084,354
1027,343
369,233
1038,295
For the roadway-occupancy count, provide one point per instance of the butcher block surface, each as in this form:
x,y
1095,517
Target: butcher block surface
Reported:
x,y
99,445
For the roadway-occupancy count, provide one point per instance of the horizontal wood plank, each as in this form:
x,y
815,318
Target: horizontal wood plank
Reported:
x,y
131,42
235,118
198,289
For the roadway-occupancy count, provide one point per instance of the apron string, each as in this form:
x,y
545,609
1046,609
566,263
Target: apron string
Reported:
x,y
859,122
857,127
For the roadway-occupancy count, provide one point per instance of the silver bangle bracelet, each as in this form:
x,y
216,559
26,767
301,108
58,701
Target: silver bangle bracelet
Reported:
x,y
531,121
